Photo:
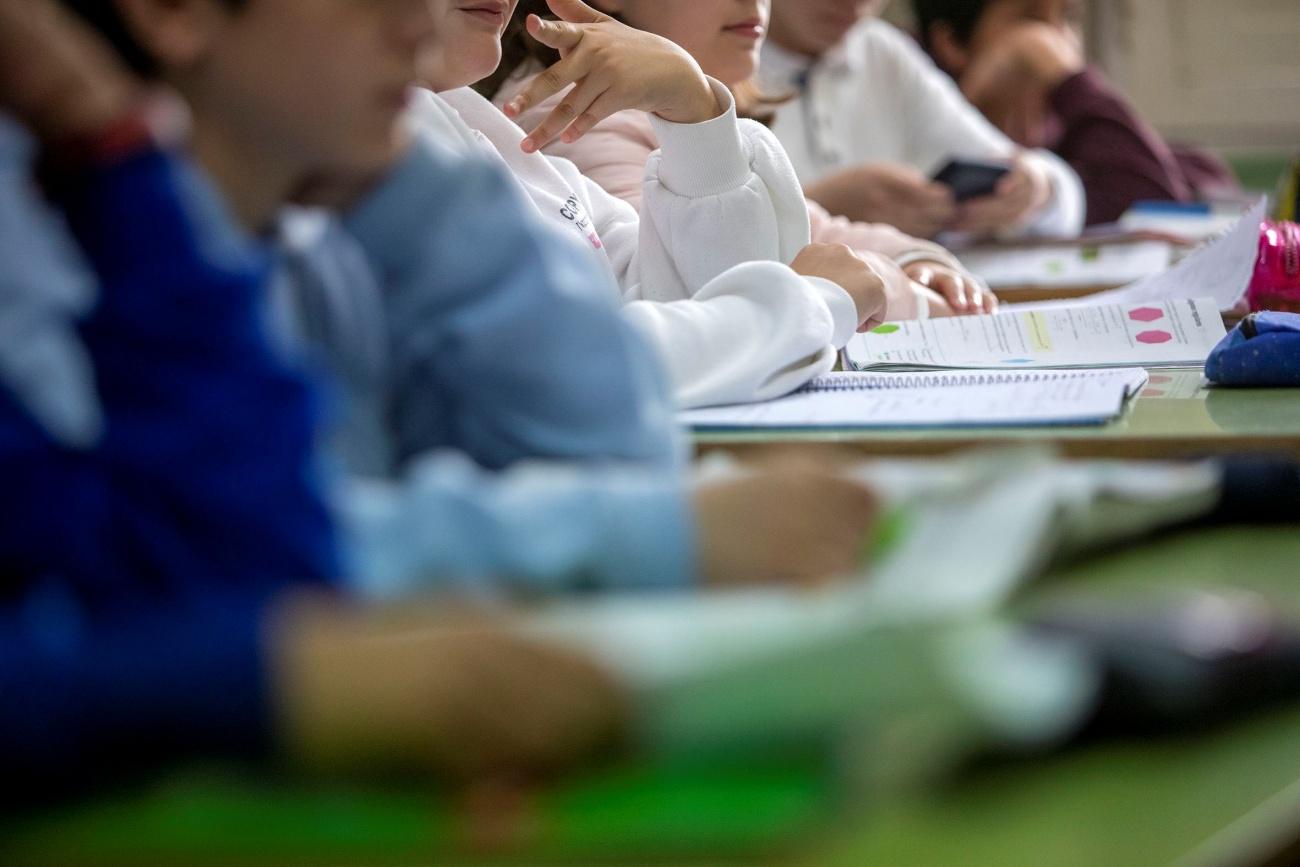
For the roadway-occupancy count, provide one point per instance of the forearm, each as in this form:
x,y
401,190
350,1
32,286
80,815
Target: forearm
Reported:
x,y
538,528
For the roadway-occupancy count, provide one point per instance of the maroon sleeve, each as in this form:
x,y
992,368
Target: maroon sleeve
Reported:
x,y
1119,157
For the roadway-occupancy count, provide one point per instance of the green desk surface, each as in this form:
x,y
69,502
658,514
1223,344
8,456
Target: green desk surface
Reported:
x,y
1175,416
1225,797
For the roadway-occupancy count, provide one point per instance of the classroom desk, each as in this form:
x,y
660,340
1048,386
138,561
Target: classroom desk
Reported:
x,y
1176,416
1025,294
1228,797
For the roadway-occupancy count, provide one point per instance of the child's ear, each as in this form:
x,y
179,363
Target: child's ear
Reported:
x,y
175,33
947,50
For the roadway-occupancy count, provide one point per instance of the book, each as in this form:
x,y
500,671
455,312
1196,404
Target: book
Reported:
x,y
1149,334
942,400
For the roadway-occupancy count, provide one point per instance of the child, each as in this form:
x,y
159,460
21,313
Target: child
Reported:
x,y
872,119
159,469
1021,62
615,151
507,428
702,274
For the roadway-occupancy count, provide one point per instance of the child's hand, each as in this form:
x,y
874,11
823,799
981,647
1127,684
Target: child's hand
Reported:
x,y
613,67
56,76
890,193
797,524
963,293
854,274
1021,193
411,691
1012,82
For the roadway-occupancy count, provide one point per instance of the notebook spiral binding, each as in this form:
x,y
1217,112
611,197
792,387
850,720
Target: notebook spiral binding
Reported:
x,y
875,382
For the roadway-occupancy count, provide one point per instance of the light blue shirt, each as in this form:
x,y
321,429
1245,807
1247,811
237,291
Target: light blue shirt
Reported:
x,y
505,429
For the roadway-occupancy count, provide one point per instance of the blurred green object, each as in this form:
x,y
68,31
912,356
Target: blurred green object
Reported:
x,y
1209,798
1259,172
1287,200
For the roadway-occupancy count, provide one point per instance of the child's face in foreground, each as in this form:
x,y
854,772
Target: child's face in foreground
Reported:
x,y
315,84
724,36
814,27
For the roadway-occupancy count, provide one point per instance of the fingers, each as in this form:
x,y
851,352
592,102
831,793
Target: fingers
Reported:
x,y
560,35
576,12
604,106
546,84
572,108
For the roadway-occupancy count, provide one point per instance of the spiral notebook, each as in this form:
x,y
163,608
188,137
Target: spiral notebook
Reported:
x,y
1177,333
984,398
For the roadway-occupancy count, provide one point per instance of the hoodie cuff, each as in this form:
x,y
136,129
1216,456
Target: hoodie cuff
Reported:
x,y
704,159
844,311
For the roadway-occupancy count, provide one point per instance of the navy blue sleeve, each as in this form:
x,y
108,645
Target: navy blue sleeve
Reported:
x,y
204,476
90,699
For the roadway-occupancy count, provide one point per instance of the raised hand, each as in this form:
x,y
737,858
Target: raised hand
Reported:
x,y
611,67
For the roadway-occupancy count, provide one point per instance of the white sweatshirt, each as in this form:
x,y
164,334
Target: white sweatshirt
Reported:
x,y
701,277
877,97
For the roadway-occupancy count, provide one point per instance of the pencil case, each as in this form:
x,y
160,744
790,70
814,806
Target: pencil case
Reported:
x,y
1275,285
1264,350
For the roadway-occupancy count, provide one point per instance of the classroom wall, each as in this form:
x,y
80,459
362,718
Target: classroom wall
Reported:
x,y
1224,73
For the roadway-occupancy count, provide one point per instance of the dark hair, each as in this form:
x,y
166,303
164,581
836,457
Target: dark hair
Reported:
x,y
518,49
963,16
521,52
106,18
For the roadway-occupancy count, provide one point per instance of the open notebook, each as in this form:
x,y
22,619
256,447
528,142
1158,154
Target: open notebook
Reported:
x,y
1147,334
970,399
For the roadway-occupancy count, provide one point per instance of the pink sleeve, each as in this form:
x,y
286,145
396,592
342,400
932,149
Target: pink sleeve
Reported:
x,y
614,154
873,238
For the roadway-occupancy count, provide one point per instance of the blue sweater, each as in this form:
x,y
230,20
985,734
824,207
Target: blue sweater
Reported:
x,y
150,513
505,427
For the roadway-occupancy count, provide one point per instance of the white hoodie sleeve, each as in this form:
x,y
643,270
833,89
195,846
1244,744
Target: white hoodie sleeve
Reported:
x,y
710,195
751,330
757,332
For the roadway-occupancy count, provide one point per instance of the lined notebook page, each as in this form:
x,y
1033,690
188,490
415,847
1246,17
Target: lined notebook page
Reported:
x,y
852,400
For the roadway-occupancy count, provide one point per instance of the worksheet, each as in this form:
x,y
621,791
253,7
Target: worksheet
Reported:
x,y
1157,334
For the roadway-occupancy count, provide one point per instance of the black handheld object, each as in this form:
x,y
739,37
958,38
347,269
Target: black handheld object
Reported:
x,y
970,179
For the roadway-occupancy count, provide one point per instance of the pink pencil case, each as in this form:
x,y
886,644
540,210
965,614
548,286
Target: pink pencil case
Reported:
x,y
1276,282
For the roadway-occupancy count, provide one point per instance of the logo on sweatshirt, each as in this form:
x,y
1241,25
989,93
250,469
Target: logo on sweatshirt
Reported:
x,y
573,211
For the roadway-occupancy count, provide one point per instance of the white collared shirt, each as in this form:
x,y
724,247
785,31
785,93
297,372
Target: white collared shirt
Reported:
x,y
877,97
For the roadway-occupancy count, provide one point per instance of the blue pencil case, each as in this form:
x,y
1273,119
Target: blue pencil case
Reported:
x,y
1264,350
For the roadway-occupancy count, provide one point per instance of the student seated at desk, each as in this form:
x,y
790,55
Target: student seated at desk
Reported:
x,y
504,427
161,493
872,119
1021,62
630,131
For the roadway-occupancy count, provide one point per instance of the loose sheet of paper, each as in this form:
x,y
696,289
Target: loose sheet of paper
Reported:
x,y
1220,270
1159,334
